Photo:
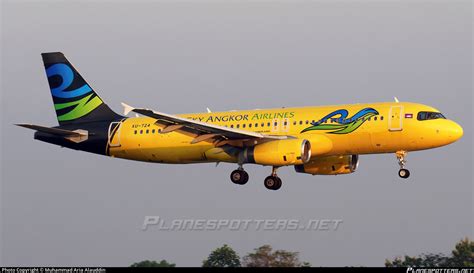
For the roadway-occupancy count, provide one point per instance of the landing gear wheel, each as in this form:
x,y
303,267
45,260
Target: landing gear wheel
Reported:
x,y
239,177
278,184
272,182
404,173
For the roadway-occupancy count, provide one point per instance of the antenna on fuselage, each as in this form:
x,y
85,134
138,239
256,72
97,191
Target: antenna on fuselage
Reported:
x,y
396,100
208,110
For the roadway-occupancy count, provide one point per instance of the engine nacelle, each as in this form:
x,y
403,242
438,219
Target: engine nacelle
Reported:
x,y
279,152
330,165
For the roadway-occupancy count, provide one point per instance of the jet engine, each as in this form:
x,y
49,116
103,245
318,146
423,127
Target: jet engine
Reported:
x,y
279,152
330,165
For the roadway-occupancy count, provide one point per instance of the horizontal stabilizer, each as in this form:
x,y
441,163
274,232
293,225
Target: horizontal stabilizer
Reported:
x,y
75,136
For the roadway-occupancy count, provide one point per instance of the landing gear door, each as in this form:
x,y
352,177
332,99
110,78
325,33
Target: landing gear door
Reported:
x,y
395,121
114,134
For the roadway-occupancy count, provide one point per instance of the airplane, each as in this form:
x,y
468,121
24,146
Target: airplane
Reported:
x,y
320,140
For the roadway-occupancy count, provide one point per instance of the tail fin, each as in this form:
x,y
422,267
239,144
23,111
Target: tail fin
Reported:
x,y
74,100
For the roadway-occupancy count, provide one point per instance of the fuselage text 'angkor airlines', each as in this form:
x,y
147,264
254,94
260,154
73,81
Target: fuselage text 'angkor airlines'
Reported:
x,y
321,140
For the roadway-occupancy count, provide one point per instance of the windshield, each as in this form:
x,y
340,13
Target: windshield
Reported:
x,y
429,115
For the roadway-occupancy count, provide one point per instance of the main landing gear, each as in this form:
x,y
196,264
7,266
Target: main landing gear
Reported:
x,y
239,176
403,173
273,182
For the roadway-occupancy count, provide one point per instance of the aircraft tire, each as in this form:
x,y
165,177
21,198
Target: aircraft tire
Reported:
x,y
404,173
272,182
239,177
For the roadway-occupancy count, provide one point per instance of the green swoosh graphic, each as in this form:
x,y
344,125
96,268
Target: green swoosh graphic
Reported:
x,y
83,107
340,128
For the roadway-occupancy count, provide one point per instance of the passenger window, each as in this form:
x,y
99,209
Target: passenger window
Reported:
x,y
232,126
238,125
141,132
243,125
381,118
153,131
301,122
285,123
268,124
307,122
294,122
135,132
375,118
263,124
275,123
250,125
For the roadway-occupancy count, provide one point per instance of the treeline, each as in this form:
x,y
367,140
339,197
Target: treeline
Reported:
x,y
225,256
461,256
265,256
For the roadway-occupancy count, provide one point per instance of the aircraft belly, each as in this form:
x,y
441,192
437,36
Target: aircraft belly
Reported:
x,y
348,144
160,148
361,143
178,154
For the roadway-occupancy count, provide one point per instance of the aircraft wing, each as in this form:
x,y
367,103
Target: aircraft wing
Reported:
x,y
202,129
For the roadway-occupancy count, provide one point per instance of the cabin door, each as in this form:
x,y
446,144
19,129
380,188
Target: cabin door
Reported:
x,y
114,134
275,125
395,121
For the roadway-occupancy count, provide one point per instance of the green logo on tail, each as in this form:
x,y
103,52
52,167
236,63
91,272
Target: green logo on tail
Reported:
x,y
66,99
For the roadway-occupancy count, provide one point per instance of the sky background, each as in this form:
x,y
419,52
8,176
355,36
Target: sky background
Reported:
x,y
63,207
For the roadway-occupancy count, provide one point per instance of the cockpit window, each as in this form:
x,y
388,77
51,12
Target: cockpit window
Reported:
x,y
429,115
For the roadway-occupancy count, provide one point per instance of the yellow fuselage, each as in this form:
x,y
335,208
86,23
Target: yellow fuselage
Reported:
x,y
394,127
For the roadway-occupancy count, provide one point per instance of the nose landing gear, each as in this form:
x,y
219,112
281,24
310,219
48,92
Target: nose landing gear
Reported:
x,y
403,173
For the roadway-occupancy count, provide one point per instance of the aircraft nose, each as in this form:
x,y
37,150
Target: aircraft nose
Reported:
x,y
455,131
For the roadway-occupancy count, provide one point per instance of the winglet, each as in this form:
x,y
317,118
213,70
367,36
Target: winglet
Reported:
x,y
127,108
396,100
